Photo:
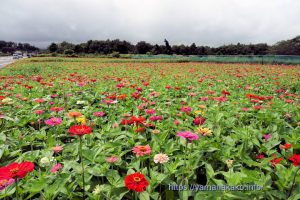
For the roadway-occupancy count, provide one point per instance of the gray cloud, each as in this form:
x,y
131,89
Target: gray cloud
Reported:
x,y
213,22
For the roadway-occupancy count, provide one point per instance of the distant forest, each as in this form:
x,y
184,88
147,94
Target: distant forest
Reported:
x,y
10,47
104,47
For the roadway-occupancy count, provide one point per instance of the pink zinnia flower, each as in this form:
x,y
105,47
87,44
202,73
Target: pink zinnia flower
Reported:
x,y
186,109
221,99
260,156
53,121
142,150
161,158
54,95
245,109
112,159
267,136
176,122
188,135
258,107
99,114
155,118
56,109
39,100
81,84
57,149
203,99
5,182
150,111
39,112
56,167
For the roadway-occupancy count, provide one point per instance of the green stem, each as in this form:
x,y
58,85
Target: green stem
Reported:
x,y
17,189
293,184
185,155
135,195
82,166
161,171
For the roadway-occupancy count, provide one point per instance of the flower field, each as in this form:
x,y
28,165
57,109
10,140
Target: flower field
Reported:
x,y
86,129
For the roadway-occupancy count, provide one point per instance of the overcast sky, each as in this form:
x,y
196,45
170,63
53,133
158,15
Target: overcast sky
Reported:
x,y
205,22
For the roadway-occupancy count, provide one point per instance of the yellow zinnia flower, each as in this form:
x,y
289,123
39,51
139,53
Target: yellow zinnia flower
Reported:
x,y
199,112
204,131
81,120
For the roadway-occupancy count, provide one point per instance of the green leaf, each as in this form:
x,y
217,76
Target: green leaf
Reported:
x,y
144,196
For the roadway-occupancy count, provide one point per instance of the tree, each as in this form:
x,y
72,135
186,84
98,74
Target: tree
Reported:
x,y
78,48
53,48
287,47
193,49
143,47
168,47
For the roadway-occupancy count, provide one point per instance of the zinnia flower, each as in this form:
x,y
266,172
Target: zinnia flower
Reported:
x,y
74,114
56,109
81,120
285,146
260,156
99,114
136,182
186,109
188,135
112,159
204,131
142,150
198,121
155,118
295,159
267,136
150,111
5,182
57,149
276,161
16,170
161,158
53,121
39,112
97,190
80,130
56,167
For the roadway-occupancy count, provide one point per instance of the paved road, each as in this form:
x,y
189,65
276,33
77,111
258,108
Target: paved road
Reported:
x,y
5,60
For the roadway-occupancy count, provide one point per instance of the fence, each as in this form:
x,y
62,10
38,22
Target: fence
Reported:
x,y
262,59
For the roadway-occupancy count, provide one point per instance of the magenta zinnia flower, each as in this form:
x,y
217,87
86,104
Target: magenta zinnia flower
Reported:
x,y
267,136
155,118
188,135
53,121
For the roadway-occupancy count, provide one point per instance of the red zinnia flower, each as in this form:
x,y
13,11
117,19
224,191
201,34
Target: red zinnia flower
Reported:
x,y
295,159
136,182
80,130
199,121
16,170
285,146
276,161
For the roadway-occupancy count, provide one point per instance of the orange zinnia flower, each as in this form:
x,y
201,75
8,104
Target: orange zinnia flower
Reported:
x,y
74,114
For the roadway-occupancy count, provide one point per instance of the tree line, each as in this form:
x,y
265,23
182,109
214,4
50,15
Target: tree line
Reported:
x,y
11,47
286,47
104,47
